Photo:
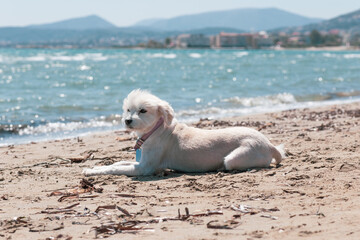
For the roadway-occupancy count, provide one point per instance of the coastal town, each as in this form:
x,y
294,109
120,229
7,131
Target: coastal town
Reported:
x,y
259,40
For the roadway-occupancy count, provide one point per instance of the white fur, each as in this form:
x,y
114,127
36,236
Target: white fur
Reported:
x,y
187,149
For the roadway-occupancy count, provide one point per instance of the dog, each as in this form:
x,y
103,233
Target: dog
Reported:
x,y
167,144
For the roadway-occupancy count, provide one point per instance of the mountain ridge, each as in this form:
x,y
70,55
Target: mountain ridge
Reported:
x,y
79,23
248,19
344,22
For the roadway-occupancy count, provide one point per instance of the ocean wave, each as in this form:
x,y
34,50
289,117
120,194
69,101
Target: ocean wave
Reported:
x,y
240,106
60,127
282,98
56,57
163,55
195,55
197,112
241,54
352,55
80,57
192,115
329,55
346,56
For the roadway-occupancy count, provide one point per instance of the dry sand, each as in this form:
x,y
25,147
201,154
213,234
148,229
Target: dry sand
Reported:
x,y
313,194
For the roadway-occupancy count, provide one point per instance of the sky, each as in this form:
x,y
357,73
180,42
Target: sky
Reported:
x,y
125,12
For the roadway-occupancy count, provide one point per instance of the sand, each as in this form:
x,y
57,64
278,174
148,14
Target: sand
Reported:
x,y
313,194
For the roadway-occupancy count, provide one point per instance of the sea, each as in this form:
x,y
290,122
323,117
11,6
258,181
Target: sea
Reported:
x,y
50,94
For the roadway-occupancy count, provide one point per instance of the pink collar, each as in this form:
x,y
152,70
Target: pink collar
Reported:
x,y
141,140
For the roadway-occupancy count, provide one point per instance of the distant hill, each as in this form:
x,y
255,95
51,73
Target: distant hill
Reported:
x,y
346,22
248,19
81,23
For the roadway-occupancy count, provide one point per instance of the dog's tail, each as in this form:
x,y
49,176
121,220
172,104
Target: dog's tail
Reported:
x,y
278,154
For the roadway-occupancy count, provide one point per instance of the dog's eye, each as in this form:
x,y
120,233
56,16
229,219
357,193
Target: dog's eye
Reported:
x,y
128,110
142,111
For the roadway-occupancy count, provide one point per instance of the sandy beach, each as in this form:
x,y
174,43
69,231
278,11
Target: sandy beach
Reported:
x,y
313,194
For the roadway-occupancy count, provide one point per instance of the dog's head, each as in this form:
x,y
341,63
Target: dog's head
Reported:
x,y
142,111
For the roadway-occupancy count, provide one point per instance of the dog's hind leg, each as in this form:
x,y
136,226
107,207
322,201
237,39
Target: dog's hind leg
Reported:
x,y
245,157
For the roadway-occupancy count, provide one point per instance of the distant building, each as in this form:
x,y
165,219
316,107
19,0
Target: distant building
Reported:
x,y
301,40
263,40
193,41
334,32
234,40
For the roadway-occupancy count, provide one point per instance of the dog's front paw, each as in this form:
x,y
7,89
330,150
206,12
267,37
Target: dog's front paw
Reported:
x,y
87,171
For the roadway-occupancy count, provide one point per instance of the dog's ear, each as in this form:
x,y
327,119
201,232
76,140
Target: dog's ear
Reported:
x,y
166,111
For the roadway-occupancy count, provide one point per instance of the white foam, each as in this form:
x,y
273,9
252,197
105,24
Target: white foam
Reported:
x,y
193,115
56,57
68,127
162,55
170,56
84,67
329,55
67,58
350,56
195,55
281,98
241,54
38,58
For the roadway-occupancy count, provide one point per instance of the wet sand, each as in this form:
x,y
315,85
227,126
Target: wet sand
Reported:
x,y
313,194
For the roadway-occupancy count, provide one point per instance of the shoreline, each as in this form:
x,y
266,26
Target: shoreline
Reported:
x,y
239,112
307,196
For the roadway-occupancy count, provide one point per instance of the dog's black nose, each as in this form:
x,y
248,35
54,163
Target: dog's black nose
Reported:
x,y
128,121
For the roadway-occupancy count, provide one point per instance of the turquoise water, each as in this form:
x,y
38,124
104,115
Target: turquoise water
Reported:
x,y
47,94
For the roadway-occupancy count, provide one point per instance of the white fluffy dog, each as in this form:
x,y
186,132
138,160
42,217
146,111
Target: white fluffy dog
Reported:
x,y
167,144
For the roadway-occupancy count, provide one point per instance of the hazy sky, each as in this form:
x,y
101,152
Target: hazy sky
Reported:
x,y
128,12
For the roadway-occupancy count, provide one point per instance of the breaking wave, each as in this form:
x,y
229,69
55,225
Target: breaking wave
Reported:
x,y
241,54
195,55
282,98
55,57
56,127
245,106
163,55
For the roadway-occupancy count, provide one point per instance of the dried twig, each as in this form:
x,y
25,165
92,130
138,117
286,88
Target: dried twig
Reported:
x,y
105,207
71,206
46,230
208,213
129,195
124,211
217,226
85,187
293,191
58,211
113,228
